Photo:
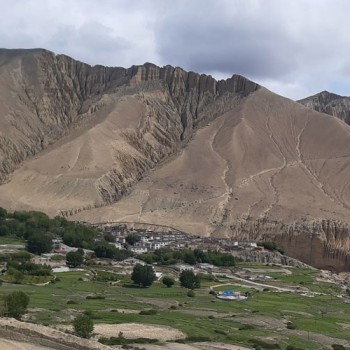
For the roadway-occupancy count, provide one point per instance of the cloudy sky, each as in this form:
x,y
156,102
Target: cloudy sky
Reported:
x,y
295,48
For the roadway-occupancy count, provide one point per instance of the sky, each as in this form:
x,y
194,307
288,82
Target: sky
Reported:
x,y
293,47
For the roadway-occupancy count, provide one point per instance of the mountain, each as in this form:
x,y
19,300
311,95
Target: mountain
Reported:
x,y
332,104
165,146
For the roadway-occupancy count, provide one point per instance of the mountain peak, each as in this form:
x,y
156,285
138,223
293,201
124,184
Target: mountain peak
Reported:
x,y
329,103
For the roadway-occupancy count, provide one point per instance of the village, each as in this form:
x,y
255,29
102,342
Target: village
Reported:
x,y
159,237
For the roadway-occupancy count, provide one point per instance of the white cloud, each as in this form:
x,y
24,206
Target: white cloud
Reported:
x,y
295,48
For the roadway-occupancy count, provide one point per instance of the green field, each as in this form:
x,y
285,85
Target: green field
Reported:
x,y
204,316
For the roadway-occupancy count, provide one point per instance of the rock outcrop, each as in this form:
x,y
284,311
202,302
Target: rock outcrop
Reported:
x,y
329,103
323,244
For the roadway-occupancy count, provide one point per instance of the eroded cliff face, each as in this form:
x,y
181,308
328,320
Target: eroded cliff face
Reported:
x,y
324,244
147,113
332,104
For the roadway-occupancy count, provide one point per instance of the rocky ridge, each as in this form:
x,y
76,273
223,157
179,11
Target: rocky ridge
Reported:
x,y
329,103
45,97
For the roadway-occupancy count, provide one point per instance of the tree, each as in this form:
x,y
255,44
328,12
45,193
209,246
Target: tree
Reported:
x,y
168,281
3,213
4,230
132,239
16,304
39,243
143,275
74,259
189,280
83,326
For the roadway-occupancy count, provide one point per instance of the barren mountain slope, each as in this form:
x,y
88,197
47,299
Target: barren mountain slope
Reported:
x,y
268,160
268,157
107,126
332,104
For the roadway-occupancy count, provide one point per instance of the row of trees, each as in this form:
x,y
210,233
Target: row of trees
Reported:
x,y
38,229
192,257
106,250
144,276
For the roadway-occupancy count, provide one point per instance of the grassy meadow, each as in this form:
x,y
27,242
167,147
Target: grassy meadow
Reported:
x,y
267,319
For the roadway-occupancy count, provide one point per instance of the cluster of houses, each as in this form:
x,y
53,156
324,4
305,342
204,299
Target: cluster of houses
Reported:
x,y
151,240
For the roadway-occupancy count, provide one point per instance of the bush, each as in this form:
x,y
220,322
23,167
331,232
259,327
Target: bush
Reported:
x,y
15,304
71,302
74,259
291,325
191,293
120,340
148,312
95,297
246,327
83,326
168,281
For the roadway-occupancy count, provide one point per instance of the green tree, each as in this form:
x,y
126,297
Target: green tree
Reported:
x,y
189,280
39,243
143,275
132,239
4,230
168,281
16,304
83,326
3,213
74,259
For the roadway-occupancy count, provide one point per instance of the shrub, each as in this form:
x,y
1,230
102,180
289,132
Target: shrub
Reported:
x,y
95,297
191,293
246,327
15,304
74,259
83,326
291,325
168,281
120,340
71,302
148,312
